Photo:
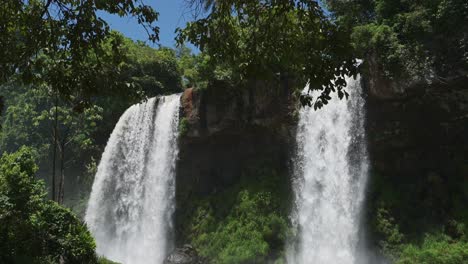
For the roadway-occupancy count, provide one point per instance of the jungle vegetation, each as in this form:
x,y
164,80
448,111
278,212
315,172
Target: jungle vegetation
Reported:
x,y
66,77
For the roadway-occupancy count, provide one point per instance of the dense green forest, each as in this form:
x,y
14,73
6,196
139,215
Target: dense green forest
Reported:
x,y
66,78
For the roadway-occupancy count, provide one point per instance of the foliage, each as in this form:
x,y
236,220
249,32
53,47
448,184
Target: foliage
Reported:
x,y
183,126
102,260
246,223
391,238
30,119
275,41
413,215
19,127
151,71
435,249
408,39
29,116
200,72
70,34
75,127
446,246
190,65
33,229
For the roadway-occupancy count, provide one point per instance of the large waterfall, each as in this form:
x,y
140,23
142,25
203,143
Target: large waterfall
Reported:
x,y
132,200
331,167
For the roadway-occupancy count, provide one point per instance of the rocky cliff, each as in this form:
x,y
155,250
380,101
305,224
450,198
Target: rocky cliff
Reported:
x,y
417,140
225,130
224,134
418,144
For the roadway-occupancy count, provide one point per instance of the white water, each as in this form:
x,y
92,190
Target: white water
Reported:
x,y
330,176
132,200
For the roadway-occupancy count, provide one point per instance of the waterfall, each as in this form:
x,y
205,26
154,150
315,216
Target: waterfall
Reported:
x,y
132,199
330,171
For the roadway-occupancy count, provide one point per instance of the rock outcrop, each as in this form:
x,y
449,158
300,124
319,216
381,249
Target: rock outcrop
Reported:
x,y
184,255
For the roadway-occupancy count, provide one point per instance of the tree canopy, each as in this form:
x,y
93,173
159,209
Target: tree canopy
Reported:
x,y
273,41
33,229
61,42
420,40
36,117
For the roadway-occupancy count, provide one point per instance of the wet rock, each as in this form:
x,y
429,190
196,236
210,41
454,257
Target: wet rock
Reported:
x,y
184,255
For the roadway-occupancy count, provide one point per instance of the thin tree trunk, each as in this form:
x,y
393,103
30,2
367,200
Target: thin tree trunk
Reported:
x,y
62,174
1,108
54,159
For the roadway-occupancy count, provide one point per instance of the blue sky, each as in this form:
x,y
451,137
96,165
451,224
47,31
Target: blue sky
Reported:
x,y
172,14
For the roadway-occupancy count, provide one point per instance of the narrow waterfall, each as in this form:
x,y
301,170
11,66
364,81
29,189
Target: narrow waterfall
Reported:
x,y
330,169
132,200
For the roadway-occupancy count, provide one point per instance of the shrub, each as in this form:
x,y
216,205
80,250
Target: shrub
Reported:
x,y
435,249
391,238
33,229
246,223
183,126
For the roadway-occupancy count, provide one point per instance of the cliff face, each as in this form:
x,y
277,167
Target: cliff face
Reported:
x,y
418,145
417,140
225,133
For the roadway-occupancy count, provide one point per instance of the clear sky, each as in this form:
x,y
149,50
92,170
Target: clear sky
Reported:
x,y
172,14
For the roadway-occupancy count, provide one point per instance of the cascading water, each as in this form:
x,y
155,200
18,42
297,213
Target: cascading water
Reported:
x,y
132,200
330,176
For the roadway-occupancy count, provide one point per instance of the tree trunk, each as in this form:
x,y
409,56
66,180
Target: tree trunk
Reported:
x,y
1,107
62,174
54,159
